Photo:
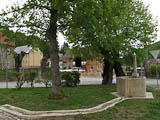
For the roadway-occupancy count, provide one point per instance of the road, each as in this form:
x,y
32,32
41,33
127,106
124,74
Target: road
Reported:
x,y
98,80
83,81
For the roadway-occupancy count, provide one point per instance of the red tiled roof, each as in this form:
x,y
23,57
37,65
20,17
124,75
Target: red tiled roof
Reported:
x,y
3,38
67,56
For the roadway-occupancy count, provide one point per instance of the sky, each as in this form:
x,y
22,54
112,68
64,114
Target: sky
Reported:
x,y
153,8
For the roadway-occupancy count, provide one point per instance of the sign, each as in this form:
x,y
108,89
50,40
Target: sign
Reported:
x,y
155,53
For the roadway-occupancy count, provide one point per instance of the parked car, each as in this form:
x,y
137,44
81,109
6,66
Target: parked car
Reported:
x,y
78,69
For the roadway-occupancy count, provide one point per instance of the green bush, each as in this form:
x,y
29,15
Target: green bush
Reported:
x,y
10,74
152,69
70,79
20,79
30,77
46,76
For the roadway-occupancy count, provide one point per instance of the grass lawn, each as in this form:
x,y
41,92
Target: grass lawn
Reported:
x,y
37,98
84,97
141,109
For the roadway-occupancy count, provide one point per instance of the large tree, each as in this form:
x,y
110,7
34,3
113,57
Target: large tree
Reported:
x,y
43,18
110,29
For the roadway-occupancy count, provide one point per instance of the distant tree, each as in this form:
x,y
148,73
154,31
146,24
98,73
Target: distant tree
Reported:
x,y
64,48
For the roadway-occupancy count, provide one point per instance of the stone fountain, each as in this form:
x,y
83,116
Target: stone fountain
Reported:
x,y
132,86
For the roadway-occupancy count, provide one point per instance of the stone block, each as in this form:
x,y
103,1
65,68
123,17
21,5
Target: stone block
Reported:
x,y
131,87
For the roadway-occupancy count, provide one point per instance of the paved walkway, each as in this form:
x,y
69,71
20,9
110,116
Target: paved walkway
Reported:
x,y
35,115
6,116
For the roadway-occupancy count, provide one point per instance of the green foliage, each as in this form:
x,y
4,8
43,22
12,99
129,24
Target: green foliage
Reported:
x,y
42,18
70,78
110,27
140,55
46,78
19,38
152,69
21,77
154,46
10,74
47,75
34,16
30,77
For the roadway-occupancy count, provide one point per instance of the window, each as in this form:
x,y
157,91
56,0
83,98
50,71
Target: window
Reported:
x,y
98,66
91,66
8,51
8,64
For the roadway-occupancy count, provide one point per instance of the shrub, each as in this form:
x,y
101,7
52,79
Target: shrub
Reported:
x,y
20,79
152,69
46,76
11,75
30,77
70,79
19,76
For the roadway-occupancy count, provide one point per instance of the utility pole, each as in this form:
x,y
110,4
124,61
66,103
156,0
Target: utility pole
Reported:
x,y
6,66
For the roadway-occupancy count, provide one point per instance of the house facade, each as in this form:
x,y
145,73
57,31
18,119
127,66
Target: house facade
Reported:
x,y
6,58
93,66
32,59
67,62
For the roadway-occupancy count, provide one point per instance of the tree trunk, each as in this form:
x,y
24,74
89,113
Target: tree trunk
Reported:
x,y
52,31
146,68
18,61
107,73
118,69
44,62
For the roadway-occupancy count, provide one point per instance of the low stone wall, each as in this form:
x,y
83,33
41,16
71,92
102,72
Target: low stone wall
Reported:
x,y
92,74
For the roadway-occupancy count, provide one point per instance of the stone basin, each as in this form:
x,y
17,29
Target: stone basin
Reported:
x,y
131,87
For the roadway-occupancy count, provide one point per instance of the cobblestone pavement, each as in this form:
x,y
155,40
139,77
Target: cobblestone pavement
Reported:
x,y
7,116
